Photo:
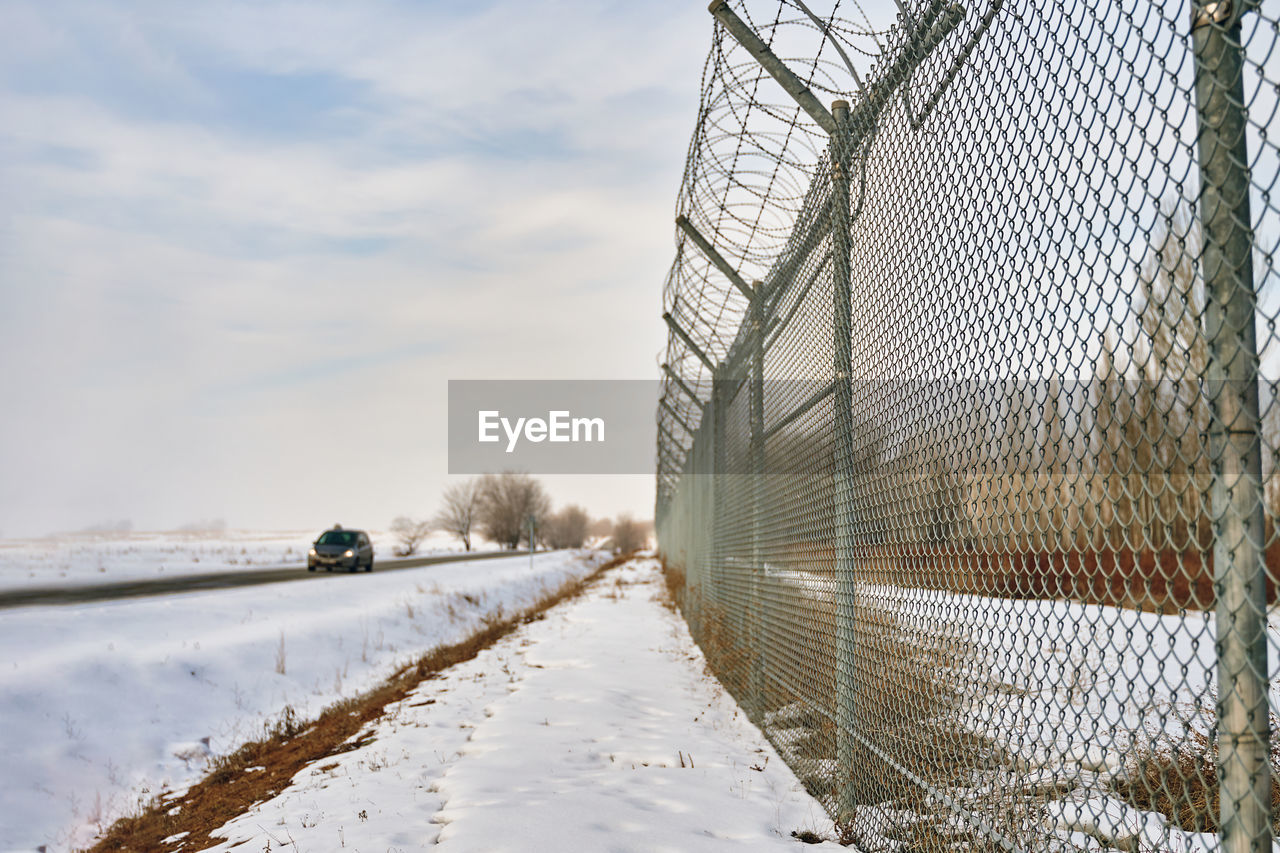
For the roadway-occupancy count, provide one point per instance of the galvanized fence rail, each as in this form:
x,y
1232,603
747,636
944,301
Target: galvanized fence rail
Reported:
x,y
966,459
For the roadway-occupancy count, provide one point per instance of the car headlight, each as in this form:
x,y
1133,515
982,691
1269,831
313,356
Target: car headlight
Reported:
x,y
312,552
349,553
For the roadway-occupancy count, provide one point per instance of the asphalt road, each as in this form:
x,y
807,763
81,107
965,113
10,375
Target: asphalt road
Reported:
x,y
83,593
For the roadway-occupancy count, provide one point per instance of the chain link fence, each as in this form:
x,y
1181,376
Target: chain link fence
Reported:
x,y
966,461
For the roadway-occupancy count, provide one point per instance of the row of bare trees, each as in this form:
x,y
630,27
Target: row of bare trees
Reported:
x,y
1136,474
508,509
1114,461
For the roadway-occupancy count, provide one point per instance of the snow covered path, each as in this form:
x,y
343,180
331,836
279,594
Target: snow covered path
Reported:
x,y
568,735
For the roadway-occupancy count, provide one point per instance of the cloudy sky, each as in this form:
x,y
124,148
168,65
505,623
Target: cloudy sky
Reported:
x,y
245,245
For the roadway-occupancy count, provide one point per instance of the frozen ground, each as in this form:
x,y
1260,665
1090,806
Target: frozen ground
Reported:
x,y
102,558
1068,692
569,735
106,704
595,729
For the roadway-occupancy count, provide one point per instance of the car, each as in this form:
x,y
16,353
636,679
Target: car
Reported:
x,y
341,549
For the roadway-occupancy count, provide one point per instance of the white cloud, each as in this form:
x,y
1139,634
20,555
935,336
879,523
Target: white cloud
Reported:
x,y
175,285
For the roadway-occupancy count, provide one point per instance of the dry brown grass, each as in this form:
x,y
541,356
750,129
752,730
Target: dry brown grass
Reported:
x,y
673,579
1179,777
1179,783
724,645
290,744
909,687
910,684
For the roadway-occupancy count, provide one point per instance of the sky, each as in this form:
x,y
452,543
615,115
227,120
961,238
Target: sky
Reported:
x,y
245,245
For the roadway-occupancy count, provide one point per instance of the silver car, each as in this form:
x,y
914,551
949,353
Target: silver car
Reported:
x,y
341,549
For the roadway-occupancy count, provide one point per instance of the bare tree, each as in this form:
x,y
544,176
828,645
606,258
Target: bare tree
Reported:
x,y
567,528
410,533
459,510
506,504
1173,338
1171,302
628,534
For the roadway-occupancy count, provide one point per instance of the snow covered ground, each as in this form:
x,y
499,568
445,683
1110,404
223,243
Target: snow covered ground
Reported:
x,y
594,729
102,558
1070,693
1082,675
106,704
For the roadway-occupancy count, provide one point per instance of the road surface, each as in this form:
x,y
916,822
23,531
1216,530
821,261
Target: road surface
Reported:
x,y
83,593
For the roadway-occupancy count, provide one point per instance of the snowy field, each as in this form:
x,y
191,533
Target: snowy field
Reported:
x,y
594,729
107,704
1069,693
102,558
570,734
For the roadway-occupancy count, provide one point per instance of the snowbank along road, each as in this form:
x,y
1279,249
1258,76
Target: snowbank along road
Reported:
x,y
110,704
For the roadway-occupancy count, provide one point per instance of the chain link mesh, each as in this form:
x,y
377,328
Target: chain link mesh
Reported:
x,y
966,462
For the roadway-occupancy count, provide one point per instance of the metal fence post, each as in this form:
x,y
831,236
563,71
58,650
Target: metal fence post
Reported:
x,y
842,360
710,500
757,487
1234,441
719,457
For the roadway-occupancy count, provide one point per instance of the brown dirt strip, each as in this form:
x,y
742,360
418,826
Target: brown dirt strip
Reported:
x,y
230,789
